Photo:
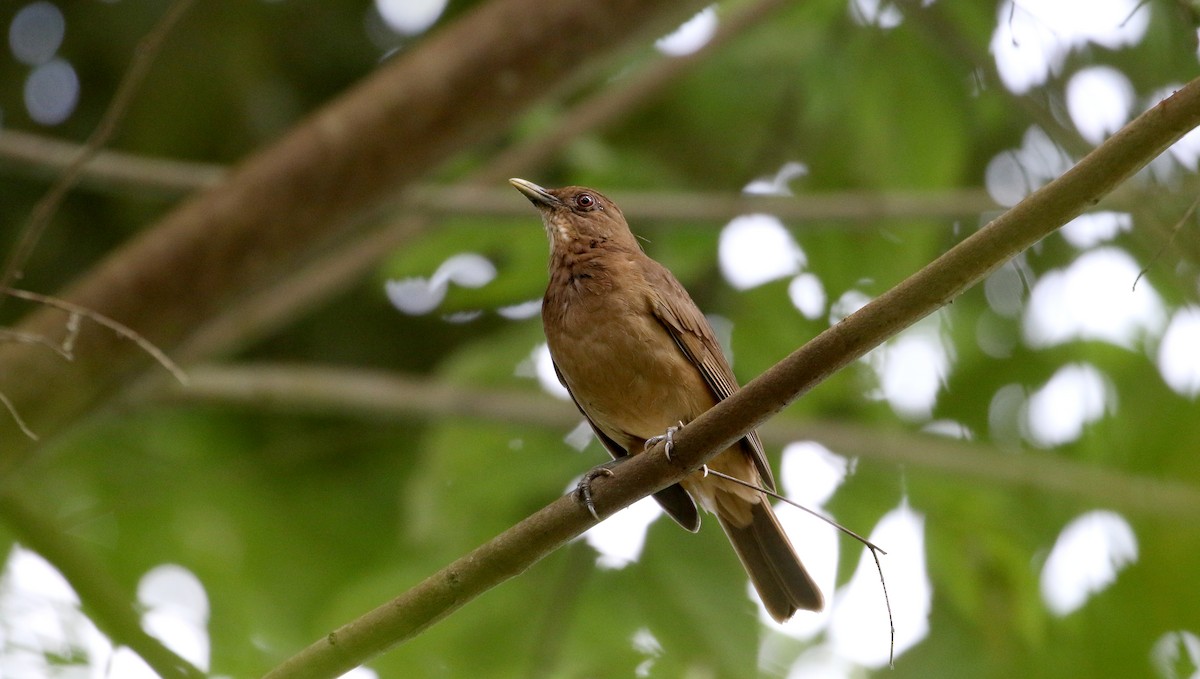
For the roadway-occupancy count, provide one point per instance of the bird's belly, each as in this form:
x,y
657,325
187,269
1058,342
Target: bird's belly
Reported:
x,y
628,375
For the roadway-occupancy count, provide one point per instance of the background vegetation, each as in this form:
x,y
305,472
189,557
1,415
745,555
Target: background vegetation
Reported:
x,y
298,507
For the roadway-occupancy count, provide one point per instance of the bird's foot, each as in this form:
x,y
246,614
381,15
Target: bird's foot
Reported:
x,y
584,489
668,436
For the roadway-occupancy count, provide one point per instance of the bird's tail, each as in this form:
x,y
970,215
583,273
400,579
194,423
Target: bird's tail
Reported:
x,y
781,580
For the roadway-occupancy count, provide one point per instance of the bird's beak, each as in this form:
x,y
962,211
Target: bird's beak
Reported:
x,y
541,198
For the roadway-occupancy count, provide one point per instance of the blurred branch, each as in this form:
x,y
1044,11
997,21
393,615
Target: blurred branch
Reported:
x,y
359,392
337,270
478,197
144,56
105,601
42,156
516,549
286,202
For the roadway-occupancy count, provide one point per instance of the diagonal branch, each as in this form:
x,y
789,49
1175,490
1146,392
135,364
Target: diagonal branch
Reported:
x,y
515,550
459,86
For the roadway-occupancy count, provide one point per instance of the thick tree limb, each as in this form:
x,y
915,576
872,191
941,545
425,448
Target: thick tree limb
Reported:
x,y
456,88
967,263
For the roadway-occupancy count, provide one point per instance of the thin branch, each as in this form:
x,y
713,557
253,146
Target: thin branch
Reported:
x,y
360,392
43,156
105,601
76,312
970,261
144,56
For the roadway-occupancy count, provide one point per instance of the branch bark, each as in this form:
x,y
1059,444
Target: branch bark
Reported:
x,y
458,87
521,546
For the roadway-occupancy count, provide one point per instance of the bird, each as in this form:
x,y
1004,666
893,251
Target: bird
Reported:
x,y
639,358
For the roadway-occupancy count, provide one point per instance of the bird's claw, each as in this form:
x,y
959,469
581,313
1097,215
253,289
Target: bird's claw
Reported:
x,y
584,489
668,436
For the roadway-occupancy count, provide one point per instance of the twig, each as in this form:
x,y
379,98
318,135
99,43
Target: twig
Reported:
x,y
144,56
76,312
12,410
1174,232
875,549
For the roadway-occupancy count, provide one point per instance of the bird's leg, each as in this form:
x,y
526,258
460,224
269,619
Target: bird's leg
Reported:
x,y
584,488
668,436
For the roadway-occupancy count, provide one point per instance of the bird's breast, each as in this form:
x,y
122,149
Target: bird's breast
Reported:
x,y
624,369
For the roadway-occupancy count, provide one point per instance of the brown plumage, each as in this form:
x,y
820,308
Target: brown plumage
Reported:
x,y
638,357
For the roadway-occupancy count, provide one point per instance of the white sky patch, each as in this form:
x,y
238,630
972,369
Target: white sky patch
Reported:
x,y
1099,100
1004,290
859,630
41,623
645,643
1012,175
848,303
51,92
414,296
878,13
1093,299
417,296
36,33
518,312
807,295
1032,39
912,370
1077,395
950,429
1096,228
1179,352
818,547
579,437
810,473
756,249
778,184
175,611
1186,151
820,662
619,538
1085,560
1004,414
691,35
544,370
466,269
410,17
1176,651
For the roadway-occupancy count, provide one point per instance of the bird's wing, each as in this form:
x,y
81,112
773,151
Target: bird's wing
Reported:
x,y
694,337
674,500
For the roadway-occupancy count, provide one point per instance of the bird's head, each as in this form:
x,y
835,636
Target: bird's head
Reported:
x,y
577,213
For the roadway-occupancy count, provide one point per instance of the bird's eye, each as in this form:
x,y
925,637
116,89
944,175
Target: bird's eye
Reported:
x,y
585,200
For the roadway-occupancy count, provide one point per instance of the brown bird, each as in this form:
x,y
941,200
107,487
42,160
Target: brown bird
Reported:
x,y
638,357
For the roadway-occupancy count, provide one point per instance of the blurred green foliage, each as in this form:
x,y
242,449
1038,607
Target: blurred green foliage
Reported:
x,y
297,522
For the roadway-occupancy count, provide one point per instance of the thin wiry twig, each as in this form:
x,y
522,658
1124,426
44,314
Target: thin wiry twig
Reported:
x,y
77,312
12,410
1174,232
19,337
875,549
144,55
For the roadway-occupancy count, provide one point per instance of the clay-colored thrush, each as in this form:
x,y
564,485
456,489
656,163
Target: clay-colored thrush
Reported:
x,y
638,357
